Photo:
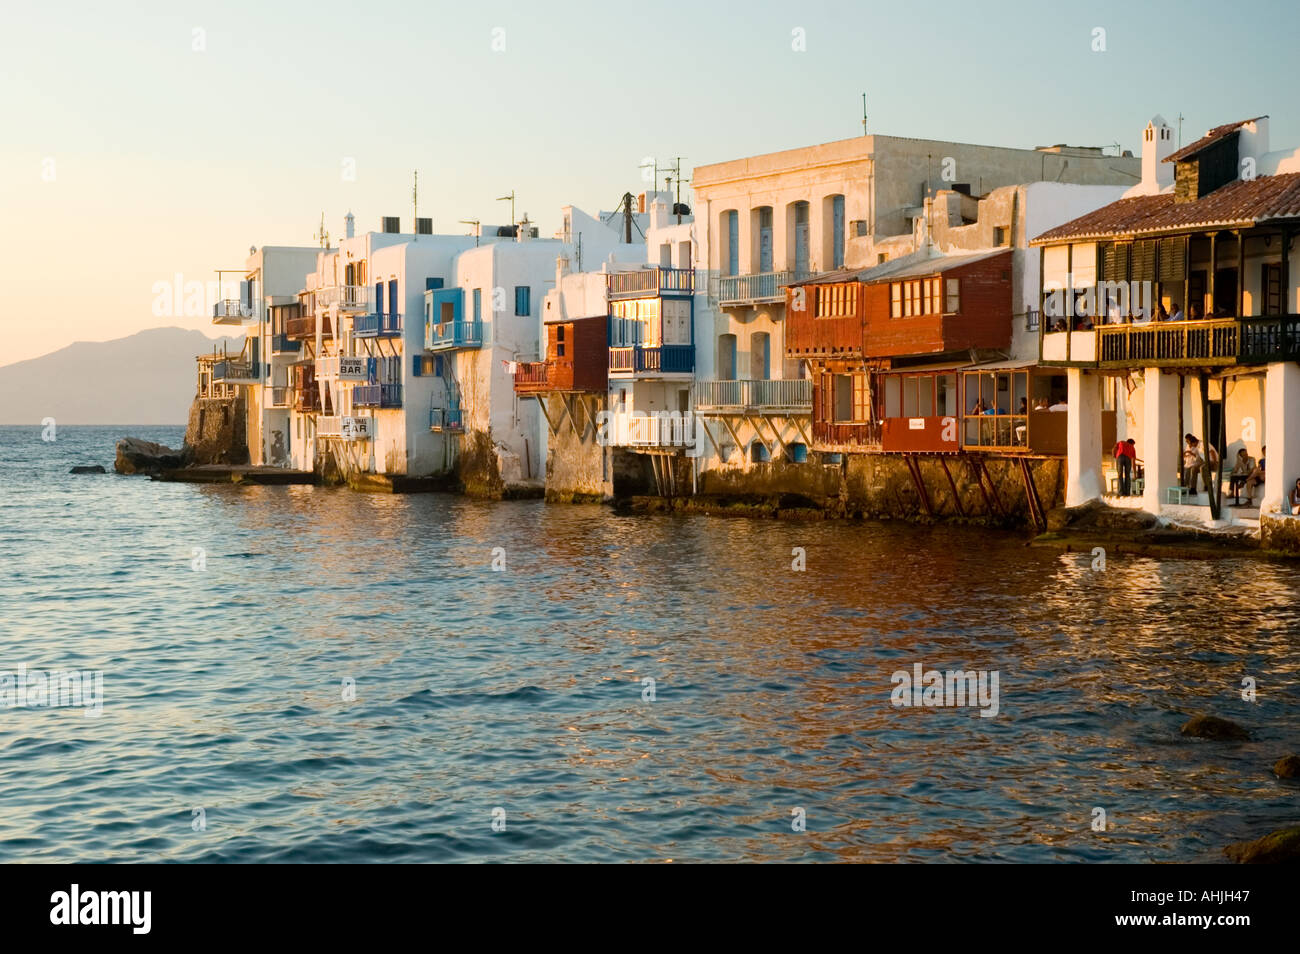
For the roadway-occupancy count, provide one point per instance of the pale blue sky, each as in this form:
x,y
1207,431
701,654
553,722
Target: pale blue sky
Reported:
x,y
169,160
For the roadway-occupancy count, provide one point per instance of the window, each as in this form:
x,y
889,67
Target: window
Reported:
x,y
478,304
731,223
559,341
953,304
758,452
999,235
1271,290
837,231
895,300
523,300
798,452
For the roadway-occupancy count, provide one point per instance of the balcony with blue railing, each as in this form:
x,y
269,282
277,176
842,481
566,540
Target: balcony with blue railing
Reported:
x,y
450,335
446,419
752,289
377,325
650,282
377,395
652,359
283,344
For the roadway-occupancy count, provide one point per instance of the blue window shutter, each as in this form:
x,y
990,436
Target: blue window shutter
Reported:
x,y
372,371
837,216
379,298
392,297
478,304
416,361
733,243
437,365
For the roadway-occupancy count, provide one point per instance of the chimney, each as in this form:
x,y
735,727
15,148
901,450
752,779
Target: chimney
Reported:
x,y
349,225
525,230
1157,143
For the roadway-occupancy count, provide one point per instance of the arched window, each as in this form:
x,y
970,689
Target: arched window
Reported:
x,y
758,452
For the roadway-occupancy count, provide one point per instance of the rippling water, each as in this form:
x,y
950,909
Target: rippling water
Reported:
x,y
522,689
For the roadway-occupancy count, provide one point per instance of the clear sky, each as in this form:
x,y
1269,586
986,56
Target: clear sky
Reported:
x,y
128,155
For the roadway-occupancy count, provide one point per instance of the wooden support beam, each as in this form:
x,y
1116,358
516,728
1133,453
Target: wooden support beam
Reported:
x,y
993,488
956,497
564,403
1031,497
914,468
541,405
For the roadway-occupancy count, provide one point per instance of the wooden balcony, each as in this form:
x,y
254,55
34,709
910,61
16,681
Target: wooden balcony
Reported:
x,y
531,377
1267,339
847,435
651,282
377,395
305,327
1169,343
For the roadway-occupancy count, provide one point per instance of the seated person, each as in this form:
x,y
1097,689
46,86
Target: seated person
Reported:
x,y
1255,478
1295,496
1241,469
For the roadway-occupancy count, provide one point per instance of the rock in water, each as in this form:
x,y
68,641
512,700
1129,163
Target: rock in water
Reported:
x,y
1281,847
1288,766
135,456
88,469
1212,727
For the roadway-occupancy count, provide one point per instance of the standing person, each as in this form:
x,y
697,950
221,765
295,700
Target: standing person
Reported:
x,y
1193,461
1125,453
1241,470
1256,478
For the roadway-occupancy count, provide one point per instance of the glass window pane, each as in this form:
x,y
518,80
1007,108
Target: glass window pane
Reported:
x,y
893,397
909,397
925,393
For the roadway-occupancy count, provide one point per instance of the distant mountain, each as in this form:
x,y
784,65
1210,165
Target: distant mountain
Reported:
x,y
147,378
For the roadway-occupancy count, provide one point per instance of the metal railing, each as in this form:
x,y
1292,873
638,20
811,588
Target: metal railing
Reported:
x,y
305,327
1271,338
377,395
847,433
642,430
653,359
531,376
226,371
283,344
375,325
446,419
347,297
232,310
654,280
447,335
745,289
763,394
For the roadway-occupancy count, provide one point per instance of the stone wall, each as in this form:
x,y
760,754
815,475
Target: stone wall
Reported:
x,y
217,431
576,470
1280,533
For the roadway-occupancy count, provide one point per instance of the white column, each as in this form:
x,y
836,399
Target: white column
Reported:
x,y
1161,441
1083,448
1282,434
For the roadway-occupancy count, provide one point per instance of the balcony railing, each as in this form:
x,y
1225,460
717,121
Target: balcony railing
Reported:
x,y
748,289
865,434
377,395
1274,338
643,430
446,419
281,397
307,399
648,282
347,297
232,311
531,376
305,327
377,326
652,359
236,372
329,425
449,335
283,344
1176,343
768,395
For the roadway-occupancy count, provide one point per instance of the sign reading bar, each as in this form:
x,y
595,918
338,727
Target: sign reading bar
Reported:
x,y
358,428
352,369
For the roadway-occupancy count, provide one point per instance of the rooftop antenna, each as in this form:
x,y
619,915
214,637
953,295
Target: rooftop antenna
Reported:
x,y
321,235
415,201
652,164
477,229
627,217
511,199
1180,130
864,114
677,170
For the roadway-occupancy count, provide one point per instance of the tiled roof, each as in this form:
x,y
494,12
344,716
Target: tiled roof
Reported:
x,y
1209,139
905,266
1240,203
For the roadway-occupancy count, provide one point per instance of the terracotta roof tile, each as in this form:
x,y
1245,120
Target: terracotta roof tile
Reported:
x,y
1209,139
1240,203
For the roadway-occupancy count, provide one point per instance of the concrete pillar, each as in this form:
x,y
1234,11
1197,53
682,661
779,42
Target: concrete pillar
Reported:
x,y
1083,448
1161,442
1282,434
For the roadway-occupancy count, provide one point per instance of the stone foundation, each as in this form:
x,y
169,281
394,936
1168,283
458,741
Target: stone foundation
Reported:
x,y
1279,533
217,431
